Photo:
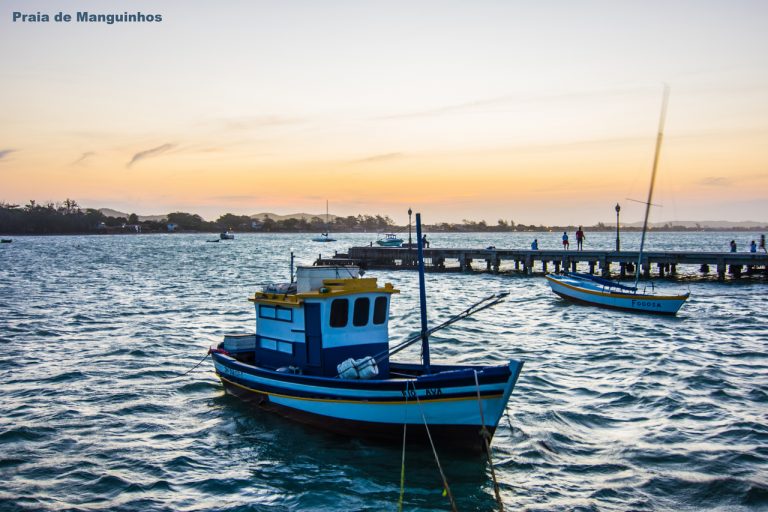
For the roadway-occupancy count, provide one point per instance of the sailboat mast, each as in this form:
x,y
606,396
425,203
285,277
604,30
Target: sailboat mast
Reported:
x,y
422,297
659,137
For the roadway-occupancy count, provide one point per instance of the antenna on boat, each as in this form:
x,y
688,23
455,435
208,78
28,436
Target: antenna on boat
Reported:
x,y
422,297
291,264
659,137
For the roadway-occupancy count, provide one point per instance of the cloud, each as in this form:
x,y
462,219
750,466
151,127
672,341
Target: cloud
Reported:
x,y
5,152
246,123
717,181
519,99
149,153
235,198
379,158
83,157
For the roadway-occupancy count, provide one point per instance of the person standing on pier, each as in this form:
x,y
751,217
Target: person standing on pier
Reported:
x,y
565,240
424,242
580,239
753,247
762,243
535,244
733,245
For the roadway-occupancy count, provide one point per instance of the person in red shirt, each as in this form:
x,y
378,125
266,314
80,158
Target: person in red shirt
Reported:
x,y
579,239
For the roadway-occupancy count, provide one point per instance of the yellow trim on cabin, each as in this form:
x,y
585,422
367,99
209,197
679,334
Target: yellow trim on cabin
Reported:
x,y
620,295
401,402
330,288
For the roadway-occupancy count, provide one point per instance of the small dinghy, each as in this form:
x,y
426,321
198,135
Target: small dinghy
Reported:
x,y
596,291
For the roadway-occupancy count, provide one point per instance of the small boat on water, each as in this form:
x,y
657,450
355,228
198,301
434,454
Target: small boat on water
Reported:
x,y
321,356
390,240
324,237
227,235
6,240
595,291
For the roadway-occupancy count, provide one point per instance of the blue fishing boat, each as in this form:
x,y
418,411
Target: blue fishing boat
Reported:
x,y
390,240
321,355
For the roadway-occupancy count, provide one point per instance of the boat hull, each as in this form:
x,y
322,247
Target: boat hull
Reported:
x,y
595,294
390,243
447,400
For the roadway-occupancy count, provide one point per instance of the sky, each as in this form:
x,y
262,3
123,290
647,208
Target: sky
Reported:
x,y
539,112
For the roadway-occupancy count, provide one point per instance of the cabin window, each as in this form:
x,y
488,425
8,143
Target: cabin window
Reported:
x,y
380,310
360,316
339,312
276,313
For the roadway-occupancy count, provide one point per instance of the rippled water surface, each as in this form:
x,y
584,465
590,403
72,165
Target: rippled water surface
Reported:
x,y
613,411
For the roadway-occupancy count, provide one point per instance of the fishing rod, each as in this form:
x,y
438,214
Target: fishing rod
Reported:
x,y
471,310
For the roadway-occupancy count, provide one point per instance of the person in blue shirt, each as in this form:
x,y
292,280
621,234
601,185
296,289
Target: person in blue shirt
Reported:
x,y
733,245
565,240
753,247
535,245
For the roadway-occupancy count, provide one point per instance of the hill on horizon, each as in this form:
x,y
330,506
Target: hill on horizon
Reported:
x,y
298,216
711,224
109,212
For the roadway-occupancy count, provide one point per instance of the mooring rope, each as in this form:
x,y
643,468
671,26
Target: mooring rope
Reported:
x,y
402,464
486,435
198,364
446,487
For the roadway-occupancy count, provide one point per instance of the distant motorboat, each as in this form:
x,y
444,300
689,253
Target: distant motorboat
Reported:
x,y
6,240
390,240
227,235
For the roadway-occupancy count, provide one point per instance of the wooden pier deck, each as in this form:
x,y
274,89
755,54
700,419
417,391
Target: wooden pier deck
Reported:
x,y
604,263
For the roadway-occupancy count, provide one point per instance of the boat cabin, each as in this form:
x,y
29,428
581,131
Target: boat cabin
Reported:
x,y
329,315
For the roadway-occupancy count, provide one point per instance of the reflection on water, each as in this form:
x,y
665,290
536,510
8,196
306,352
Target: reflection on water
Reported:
x,y
612,411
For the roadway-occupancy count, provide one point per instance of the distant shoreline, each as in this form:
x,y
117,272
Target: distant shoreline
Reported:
x,y
426,230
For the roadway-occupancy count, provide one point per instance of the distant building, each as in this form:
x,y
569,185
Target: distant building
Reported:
x,y
172,227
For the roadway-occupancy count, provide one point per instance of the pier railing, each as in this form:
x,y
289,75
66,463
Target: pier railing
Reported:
x,y
604,263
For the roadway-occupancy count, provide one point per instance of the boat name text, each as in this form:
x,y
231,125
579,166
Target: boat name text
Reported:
x,y
645,304
410,393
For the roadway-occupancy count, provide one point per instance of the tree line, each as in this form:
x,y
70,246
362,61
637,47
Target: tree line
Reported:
x,y
67,217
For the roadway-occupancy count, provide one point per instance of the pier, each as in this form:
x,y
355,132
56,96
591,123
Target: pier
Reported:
x,y
528,262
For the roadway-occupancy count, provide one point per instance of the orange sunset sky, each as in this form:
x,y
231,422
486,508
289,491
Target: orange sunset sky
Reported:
x,y
535,111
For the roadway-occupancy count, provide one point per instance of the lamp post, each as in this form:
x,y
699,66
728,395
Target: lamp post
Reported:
x,y
410,242
618,240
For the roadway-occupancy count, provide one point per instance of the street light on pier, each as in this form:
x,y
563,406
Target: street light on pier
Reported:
x,y
618,240
410,242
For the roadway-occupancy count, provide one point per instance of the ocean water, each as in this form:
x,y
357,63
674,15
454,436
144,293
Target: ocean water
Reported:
x,y
612,411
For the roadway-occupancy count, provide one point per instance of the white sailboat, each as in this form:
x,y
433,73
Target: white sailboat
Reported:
x,y
324,237
596,291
